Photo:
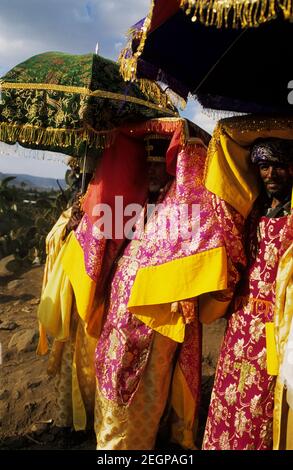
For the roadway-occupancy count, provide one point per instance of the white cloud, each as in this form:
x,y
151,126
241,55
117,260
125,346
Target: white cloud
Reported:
x,y
82,15
15,50
197,114
29,27
15,159
118,46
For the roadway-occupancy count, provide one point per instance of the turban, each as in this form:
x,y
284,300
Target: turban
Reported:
x,y
272,151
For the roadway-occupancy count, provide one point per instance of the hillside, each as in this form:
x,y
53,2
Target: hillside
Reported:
x,y
34,182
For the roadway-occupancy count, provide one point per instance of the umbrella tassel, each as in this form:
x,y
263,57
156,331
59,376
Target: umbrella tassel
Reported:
x,y
62,138
249,13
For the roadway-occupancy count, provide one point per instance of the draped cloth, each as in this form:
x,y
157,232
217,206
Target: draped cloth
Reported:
x,y
231,176
89,255
230,173
82,263
54,242
71,355
283,410
153,272
167,271
241,409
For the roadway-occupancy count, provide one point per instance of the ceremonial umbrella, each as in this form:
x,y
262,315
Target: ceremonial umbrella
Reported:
x,y
71,103
232,55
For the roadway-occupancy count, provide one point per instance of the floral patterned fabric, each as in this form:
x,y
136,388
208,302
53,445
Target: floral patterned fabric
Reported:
x,y
125,342
241,410
124,345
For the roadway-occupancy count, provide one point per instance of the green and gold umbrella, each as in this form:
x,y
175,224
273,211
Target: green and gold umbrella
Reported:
x,y
71,103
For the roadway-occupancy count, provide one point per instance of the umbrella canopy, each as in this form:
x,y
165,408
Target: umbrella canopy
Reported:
x,y
245,69
66,103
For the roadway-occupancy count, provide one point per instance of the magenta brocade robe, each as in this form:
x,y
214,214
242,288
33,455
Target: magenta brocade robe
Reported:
x,y
241,409
125,342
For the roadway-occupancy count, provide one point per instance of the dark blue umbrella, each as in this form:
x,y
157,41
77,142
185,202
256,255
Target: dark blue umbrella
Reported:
x,y
244,69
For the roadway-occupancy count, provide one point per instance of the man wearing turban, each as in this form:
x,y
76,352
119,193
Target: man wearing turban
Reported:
x,y
274,158
242,403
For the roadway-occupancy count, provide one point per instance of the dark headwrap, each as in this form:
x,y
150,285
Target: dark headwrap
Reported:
x,y
272,151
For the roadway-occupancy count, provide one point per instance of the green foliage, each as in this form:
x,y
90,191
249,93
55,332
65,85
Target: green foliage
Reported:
x,y
26,217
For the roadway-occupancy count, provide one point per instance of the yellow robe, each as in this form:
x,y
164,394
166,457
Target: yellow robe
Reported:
x,y
72,354
283,415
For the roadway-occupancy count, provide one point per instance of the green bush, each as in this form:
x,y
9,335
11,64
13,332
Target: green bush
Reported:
x,y
25,225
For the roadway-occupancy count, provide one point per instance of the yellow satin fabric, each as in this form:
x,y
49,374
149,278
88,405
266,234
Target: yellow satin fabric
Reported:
x,y
229,171
289,440
72,355
156,287
54,311
272,356
54,242
183,427
75,381
83,286
283,318
83,379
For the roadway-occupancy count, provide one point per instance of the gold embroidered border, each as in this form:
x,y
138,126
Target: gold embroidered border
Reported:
x,y
87,92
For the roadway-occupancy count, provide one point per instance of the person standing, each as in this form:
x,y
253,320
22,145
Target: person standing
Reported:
x,y
242,402
148,355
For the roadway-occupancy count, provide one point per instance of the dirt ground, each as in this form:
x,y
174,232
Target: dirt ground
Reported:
x,y
27,396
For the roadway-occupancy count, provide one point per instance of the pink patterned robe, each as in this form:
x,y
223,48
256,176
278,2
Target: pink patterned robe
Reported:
x,y
241,409
124,348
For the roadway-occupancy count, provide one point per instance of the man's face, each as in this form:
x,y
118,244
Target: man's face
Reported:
x,y
158,176
277,178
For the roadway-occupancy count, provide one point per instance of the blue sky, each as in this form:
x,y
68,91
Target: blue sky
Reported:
x,y
29,27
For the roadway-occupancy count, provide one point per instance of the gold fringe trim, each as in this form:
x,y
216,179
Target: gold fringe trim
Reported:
x,y
162,106
244,124
153,91
166,98
256,123
128,65
176,99
61,138
128,68
244,13
164,126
